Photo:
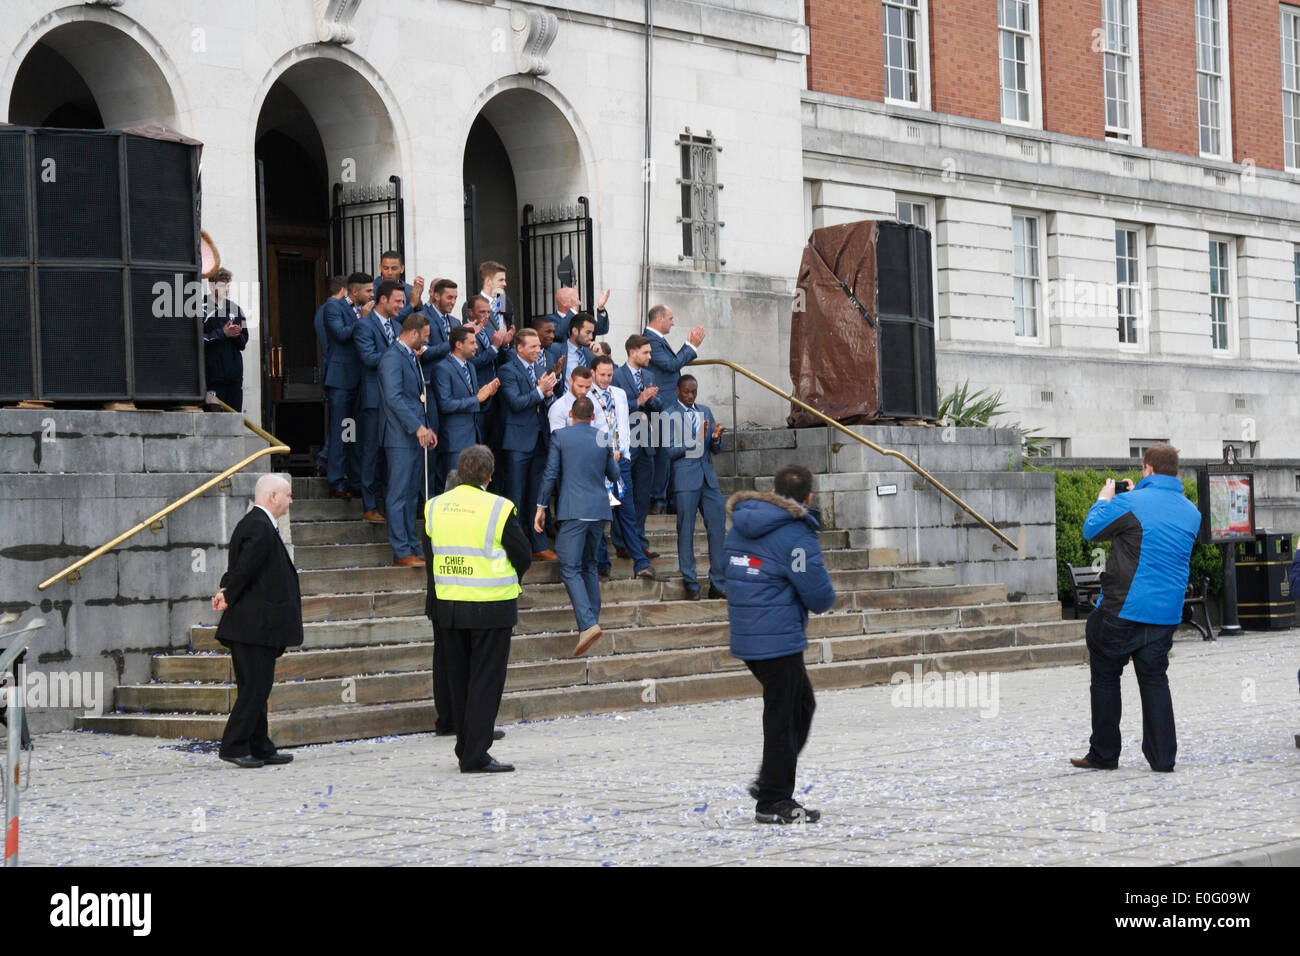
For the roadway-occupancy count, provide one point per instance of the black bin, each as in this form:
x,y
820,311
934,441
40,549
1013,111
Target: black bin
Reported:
x,y
1264,601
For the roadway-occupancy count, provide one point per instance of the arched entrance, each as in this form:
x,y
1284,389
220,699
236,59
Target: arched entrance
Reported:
x,y
522,151
89,75
325,148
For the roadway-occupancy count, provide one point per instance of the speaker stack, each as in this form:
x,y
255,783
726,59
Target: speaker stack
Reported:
x,y
862,331
99,266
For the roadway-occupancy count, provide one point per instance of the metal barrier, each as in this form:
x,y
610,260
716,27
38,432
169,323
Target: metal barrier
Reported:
x,y
15,736
887,452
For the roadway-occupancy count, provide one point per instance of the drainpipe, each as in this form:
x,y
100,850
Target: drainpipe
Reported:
x,y
646,168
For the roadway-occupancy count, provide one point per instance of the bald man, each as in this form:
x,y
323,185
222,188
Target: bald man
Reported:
x,y
261,616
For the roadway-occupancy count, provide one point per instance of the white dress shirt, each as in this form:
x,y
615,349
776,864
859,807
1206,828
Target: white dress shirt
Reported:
x,y
558,416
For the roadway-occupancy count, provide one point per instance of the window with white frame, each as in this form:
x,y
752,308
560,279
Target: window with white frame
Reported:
x,y
1220,293
1026,274
1017,31
1128,283
1291,85
1138,447
919,211
1296,262
1212,77
914,211
1119,68
906,51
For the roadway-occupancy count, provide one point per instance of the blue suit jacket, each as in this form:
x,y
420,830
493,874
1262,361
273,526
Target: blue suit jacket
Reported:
x,y
403,312
562,324
694,469
400,388
318,323
578,463
370,343
666,365
439,345
523,409
343,370
557,351
623,379
458,407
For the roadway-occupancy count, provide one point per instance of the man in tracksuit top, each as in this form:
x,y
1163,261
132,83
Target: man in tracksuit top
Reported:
x,y
1153,528
775,576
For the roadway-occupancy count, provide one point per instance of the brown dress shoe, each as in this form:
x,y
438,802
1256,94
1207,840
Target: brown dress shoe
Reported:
x,y
648,574
547,555
373,516
587,638
341,494
656,510
652,555
1085,764
623,553
410,561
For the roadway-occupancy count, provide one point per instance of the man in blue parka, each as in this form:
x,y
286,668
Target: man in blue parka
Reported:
x,y
775,576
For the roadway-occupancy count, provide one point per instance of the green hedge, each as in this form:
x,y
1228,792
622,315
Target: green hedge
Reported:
x,y
1075,493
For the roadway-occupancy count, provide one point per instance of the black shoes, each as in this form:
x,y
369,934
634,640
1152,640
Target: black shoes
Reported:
x,y
692,594
248,761
787,811
492,766
276,758
714,593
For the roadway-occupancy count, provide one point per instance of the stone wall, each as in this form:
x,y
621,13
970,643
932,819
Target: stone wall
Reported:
x,y
72,481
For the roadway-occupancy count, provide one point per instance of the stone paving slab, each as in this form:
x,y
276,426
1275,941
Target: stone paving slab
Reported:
x,y
898,786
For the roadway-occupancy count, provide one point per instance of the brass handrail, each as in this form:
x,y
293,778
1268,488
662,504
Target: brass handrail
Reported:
x,y
275,447
887,452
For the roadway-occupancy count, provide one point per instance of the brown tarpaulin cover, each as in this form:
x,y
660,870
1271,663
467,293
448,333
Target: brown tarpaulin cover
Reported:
x,y
833,348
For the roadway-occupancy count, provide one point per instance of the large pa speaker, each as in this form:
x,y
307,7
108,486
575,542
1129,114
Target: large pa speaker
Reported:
x,y
99,265
862,329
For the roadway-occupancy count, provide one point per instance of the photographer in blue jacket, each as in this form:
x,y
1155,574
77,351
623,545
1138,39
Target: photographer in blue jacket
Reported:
x,y
775,576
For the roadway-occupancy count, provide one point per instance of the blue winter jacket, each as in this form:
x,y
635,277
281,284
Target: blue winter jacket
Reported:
x,y
1154,527
775,575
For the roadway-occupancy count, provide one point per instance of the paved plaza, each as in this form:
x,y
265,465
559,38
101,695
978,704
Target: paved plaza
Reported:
x,y
904,786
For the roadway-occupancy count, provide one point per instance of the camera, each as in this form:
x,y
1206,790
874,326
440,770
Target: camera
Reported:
x,y
1122,485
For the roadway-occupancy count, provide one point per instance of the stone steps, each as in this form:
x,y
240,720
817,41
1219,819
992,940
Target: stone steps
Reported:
x,y
346,721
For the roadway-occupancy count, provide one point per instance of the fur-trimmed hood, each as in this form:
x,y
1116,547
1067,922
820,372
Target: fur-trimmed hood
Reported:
x,y
797,511
756,514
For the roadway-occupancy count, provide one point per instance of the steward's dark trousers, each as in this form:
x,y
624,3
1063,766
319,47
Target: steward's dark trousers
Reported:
x,y
1111,642
788,707
441,686
245,734
476,675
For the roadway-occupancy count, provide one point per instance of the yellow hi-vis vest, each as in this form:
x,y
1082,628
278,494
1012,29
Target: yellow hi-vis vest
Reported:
x,y
465,526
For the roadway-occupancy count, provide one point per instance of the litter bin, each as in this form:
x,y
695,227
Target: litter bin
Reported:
x,y
1264,601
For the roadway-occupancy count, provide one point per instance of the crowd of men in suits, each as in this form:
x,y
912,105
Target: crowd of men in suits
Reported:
x,y
410,385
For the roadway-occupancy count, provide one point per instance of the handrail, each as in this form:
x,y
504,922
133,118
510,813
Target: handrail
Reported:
x,y
275,447
887,452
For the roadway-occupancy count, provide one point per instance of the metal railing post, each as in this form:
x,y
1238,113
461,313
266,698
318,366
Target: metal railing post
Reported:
x,y
15,739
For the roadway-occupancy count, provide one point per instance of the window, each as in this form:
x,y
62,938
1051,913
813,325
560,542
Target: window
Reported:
x,y
919,211
699,184
1017,26
1242,449
1220,293
1052,448
1137,447
1119,67
916,212
1211,78
1128,284
906,53
1026,274
1291,85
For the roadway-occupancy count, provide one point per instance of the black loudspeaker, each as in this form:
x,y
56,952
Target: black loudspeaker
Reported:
x,y
905,313
99,265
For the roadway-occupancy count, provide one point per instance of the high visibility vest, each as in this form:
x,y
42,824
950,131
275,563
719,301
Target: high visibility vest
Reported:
x,y
465,526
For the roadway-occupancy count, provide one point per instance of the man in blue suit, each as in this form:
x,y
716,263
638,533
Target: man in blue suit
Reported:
x,y
460,399
666,367
695,487
391,268
410,431
374,335
342,382
524,397
574,350
568,304
440,312
338,287
644,406
577,463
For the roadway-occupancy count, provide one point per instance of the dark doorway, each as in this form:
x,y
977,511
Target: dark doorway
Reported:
x,y
48,91
494,210
296,244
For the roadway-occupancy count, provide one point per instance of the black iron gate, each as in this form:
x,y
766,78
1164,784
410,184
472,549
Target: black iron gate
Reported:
x,y
546,237
365,222
471,241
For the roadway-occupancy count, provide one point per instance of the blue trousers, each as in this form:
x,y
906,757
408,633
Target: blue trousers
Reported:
x,y
709,502
624,525
405,498
643,477
1111,642
575,546
524,471
344,464
371,422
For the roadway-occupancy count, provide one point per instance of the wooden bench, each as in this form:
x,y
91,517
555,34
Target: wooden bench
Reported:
x,y
1085,586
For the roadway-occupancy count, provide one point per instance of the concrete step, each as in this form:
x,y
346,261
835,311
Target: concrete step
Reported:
x,y
348,721
332,510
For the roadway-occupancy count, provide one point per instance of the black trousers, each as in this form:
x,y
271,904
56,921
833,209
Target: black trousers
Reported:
x,y
232,394
476,675
788,707
254,674
441,685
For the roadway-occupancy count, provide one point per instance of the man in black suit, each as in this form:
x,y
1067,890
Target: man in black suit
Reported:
x,y
262,616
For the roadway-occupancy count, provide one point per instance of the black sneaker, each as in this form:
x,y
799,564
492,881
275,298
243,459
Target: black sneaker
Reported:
x,y
787,811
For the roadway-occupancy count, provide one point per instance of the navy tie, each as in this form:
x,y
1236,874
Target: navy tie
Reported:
x,y
388,330
532,377
636,377
468,381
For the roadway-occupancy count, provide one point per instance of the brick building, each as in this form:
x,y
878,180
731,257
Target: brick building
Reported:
x,y
1111,185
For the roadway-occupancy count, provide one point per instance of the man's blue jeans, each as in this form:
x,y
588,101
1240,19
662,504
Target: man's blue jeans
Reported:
x,y
1111,642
